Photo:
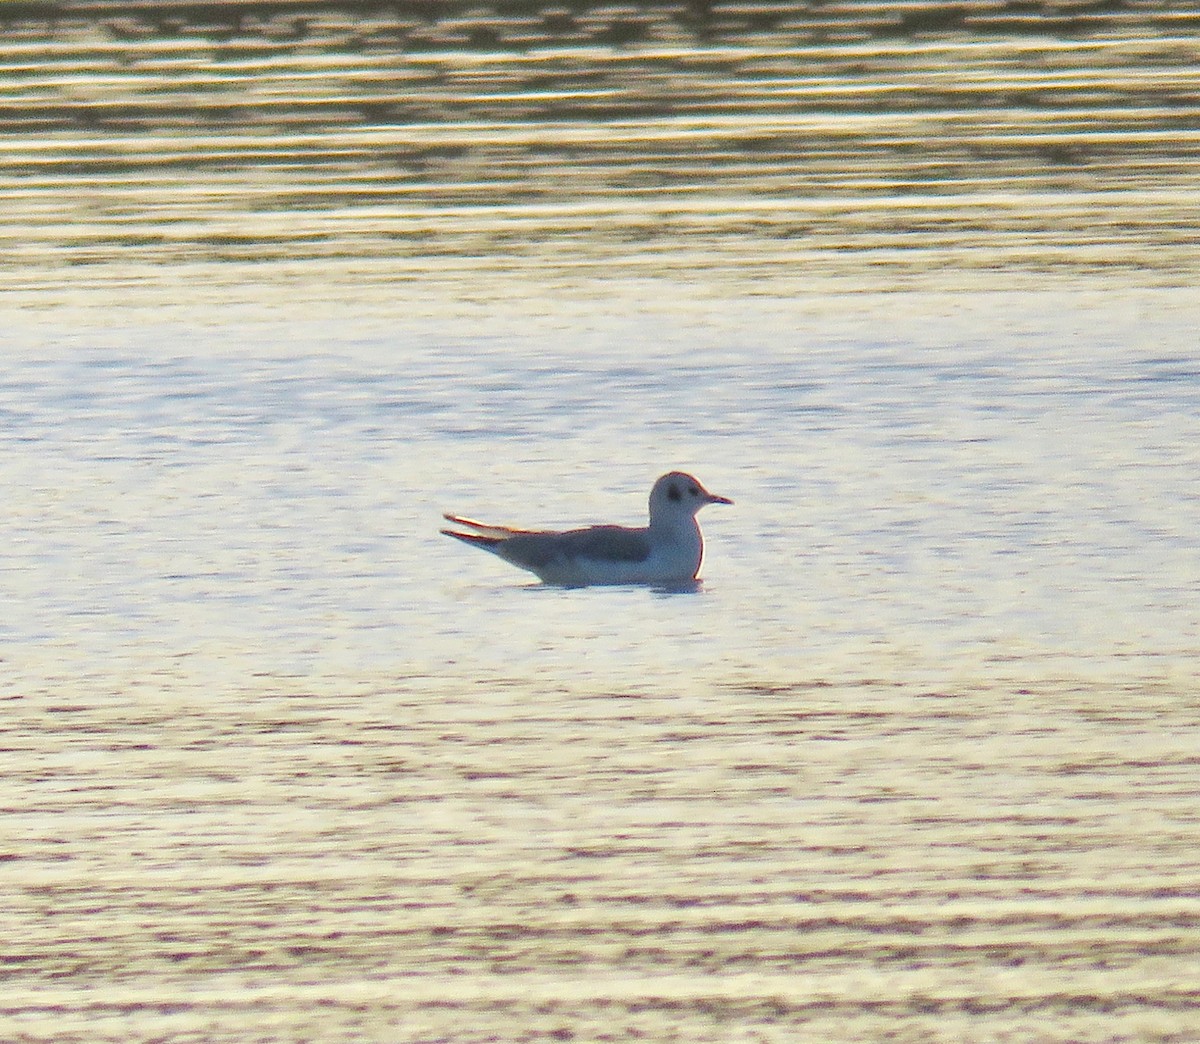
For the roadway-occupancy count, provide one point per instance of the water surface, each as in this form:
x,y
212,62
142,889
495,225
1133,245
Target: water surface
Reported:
x,y
918,762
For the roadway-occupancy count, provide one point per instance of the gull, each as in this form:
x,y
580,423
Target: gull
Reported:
x,y
669,551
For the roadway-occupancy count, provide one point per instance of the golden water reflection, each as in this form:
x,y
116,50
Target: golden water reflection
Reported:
x,y
873,157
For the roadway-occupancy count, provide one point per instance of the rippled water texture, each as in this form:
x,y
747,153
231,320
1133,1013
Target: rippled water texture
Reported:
x,y
914,285
828,139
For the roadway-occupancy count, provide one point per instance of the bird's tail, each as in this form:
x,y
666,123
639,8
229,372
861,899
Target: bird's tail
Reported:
x,y
488,543
483,529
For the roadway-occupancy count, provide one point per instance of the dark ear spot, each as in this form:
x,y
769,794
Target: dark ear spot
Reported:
x,y
673,492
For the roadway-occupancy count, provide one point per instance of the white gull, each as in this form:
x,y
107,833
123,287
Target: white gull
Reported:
x,y
670,550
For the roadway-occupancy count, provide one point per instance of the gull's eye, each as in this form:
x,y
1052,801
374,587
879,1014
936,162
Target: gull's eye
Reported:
x,y
694,491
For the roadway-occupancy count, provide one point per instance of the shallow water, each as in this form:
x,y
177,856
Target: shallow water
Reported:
x,y
918,762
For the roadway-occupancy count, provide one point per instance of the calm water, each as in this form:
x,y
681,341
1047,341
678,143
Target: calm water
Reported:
x,y
918,763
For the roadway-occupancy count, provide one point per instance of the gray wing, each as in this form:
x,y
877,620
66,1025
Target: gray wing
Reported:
x,y
601,543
